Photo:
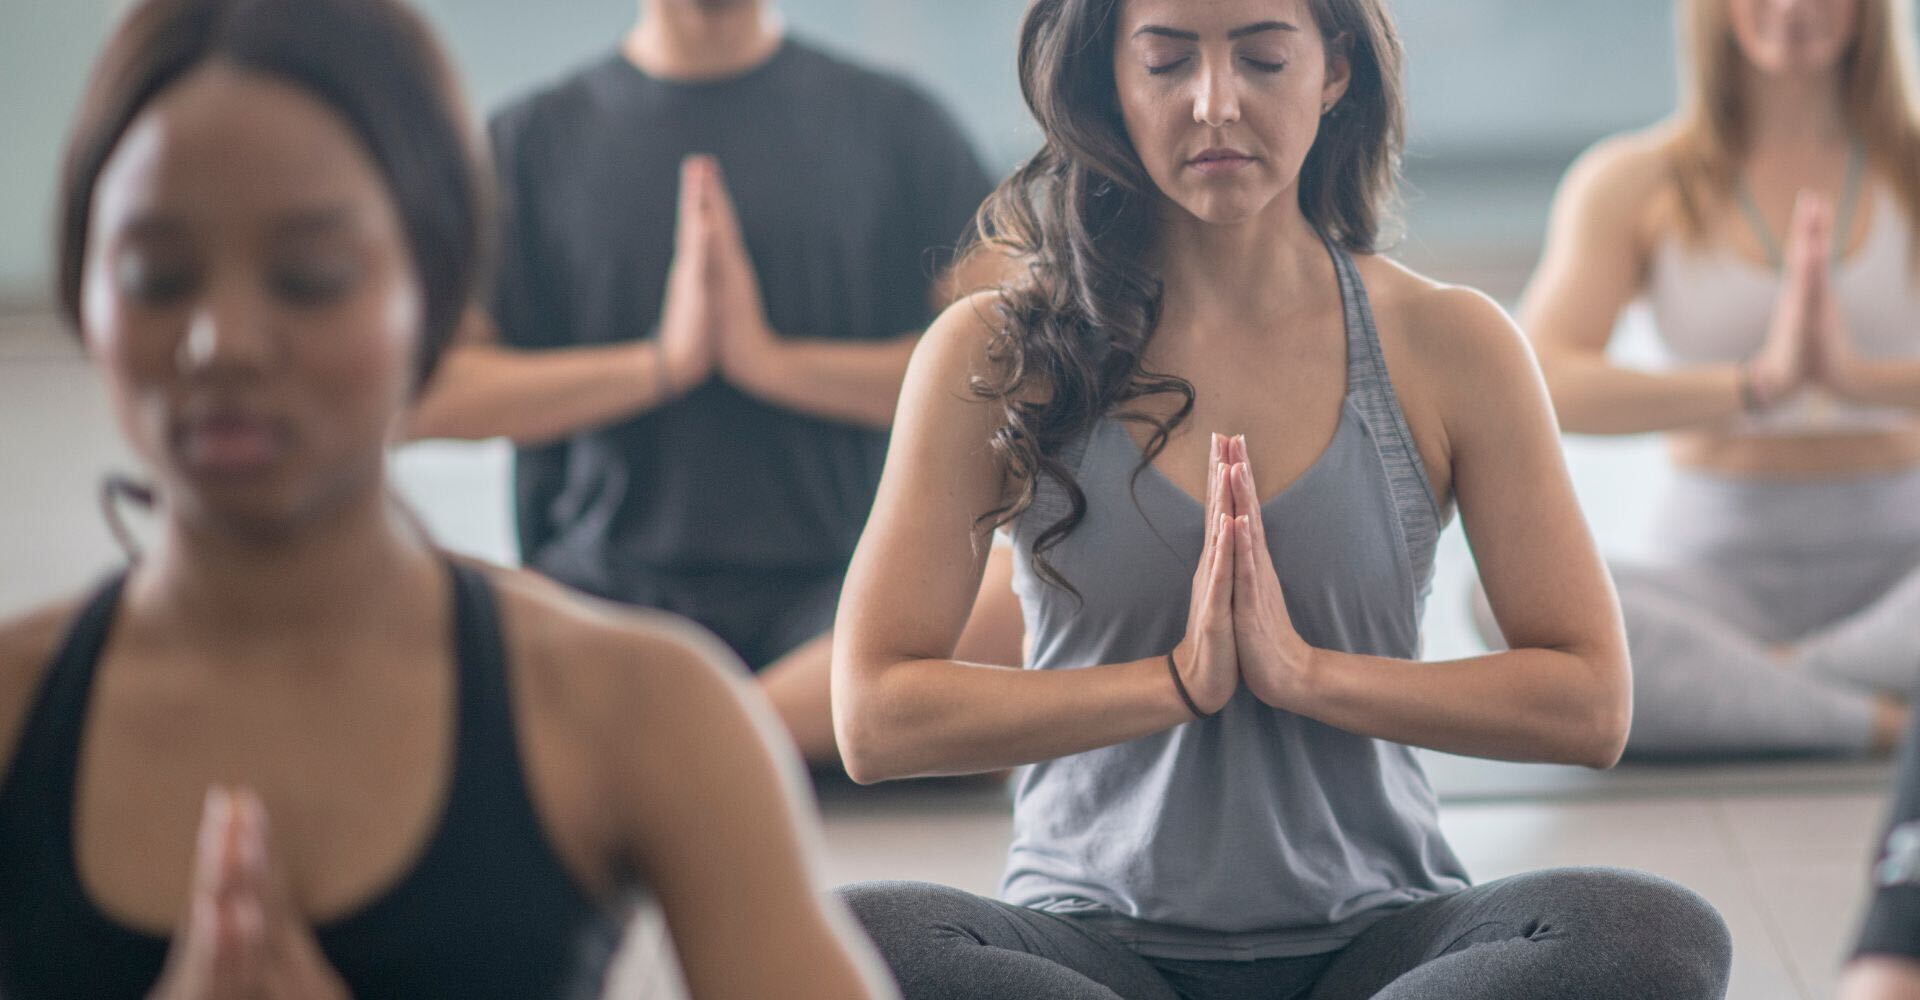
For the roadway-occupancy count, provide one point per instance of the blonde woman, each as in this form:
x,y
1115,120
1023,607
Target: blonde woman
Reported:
x,y
1770,226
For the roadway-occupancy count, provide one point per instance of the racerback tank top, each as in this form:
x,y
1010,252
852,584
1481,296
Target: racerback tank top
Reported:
x,y
488,910
1256,833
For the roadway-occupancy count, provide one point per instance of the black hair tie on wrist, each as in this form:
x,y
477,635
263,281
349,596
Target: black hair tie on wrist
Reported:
x,y
1181,686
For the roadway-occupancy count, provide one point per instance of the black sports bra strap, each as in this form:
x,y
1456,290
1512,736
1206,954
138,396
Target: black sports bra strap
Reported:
x,y
46,759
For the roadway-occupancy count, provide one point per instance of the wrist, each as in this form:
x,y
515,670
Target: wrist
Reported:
x,y
1191,708
1754,393
755,362
1311,678
656,371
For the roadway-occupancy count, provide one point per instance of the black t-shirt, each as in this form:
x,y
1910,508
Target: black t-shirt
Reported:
x,y
853,188
1893,921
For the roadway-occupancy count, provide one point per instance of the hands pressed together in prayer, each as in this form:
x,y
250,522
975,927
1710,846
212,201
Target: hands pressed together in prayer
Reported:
x,y
242,938
1807,345
1238,628
713,321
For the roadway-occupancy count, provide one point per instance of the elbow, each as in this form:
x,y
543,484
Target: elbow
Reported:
x,y
859,753
1607,740
1610,713
865,747
866,761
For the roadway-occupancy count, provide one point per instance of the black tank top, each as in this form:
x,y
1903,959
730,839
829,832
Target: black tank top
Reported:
x,y
487,911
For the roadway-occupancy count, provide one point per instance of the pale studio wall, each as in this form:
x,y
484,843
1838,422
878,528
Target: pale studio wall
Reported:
x,y
1503,91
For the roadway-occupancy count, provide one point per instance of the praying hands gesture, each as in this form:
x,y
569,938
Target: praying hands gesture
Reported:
x,y
1808,343
242,938
1238,628
714,319
714,322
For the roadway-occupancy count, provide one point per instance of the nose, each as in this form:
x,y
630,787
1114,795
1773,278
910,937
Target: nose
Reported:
x,y
1217,102
225,333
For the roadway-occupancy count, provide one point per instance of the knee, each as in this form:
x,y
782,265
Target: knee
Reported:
x,y
1660,936
904,917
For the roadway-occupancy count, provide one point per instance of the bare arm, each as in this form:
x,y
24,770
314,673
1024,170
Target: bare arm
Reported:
x,y
484,390
1562,693
1881,978
1593,265
902,705
1884,383
858,383
854,382
726,837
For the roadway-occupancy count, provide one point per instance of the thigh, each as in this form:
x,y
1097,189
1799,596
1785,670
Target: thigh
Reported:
x,y
945,944
1723,594
1561,934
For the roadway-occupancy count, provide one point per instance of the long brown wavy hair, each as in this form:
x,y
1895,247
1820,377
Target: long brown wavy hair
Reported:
x,y
1078,220
1878,90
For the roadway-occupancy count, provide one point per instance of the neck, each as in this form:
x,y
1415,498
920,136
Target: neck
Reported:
x,y
1240,276
1794,114
353,570
693,41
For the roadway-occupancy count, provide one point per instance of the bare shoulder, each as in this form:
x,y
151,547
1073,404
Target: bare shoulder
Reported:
x,y
27,646
599,663
1452,331
1625,178
632,697
957,343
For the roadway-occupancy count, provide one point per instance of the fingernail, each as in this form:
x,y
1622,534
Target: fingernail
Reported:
x,y
213,813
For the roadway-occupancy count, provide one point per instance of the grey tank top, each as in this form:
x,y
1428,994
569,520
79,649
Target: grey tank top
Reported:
x,y
1256,833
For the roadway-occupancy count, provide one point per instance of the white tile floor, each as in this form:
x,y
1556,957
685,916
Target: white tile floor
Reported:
x,y
1786,870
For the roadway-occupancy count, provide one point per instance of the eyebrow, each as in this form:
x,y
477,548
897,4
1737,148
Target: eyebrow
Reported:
x,y
316,221
1234,35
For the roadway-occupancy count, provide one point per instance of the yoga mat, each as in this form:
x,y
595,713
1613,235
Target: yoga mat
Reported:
x,y
1466,779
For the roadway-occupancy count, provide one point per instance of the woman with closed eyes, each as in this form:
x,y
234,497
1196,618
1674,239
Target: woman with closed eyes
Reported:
x,y
1225,434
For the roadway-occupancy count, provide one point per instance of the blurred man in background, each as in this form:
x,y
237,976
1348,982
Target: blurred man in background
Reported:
x,y
721,243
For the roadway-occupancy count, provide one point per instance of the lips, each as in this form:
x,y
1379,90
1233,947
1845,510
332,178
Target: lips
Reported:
x,y
230,442
1221,160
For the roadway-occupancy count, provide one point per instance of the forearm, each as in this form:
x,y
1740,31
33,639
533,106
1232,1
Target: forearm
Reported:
x,y
940,717
1591,395
1878,977
1883,383
857,383
533,397
1535,705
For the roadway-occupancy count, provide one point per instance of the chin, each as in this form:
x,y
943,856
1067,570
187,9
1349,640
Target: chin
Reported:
x,y
1226,208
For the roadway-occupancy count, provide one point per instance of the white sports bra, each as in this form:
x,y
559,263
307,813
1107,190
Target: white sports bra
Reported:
x,y
1712,306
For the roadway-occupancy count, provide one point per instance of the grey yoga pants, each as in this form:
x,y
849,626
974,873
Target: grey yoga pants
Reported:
x,y
1770,615
1774,614
1566,934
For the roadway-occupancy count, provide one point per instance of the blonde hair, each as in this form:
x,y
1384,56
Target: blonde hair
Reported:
x,y
1878,93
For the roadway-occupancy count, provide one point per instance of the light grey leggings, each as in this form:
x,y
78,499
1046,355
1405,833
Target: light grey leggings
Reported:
x,y
1567,934
1827,572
